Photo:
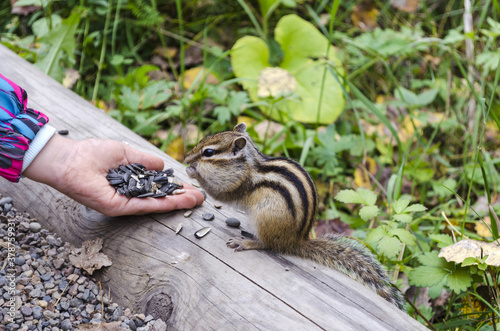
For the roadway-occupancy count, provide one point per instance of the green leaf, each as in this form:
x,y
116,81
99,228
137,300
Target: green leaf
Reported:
x,y
404,235
304,57
443,240
223,114
400,205
368,212
415,208
412,99
361,195
404,218
375,235
155,93
432,259
489,60
390,246
368,196
459,281
469,261
62,46
427,276
41,26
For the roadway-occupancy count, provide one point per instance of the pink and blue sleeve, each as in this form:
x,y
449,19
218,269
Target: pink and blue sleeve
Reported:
x,y
18,127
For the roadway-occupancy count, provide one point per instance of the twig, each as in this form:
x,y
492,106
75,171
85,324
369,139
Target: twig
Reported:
x,y
469,55
454,229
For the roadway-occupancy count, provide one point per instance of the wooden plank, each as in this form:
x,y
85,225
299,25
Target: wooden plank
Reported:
x,y
190,283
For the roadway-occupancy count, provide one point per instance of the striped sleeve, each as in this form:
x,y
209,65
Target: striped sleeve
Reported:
x,y
18,127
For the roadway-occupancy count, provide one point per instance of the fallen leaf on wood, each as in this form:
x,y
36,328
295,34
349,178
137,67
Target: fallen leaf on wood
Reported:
x,y
88,257
463,249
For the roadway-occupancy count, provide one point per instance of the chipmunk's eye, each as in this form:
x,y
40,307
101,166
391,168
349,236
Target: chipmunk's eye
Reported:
x,y
208,152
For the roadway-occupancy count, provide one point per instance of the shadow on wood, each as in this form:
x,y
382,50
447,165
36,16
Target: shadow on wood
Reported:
x,y
192,284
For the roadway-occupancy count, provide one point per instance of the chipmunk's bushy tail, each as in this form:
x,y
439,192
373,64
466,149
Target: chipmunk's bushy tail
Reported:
x,y
353,259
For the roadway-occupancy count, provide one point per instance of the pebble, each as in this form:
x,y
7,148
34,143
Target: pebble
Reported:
x,y
208,216
44,277
233,222
35,227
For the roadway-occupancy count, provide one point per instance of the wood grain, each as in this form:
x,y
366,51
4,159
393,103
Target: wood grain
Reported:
x,y
193,284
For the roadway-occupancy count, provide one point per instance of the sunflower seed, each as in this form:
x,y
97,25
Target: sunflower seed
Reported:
x,y
208,216
188,213
179,228
218,205
202,232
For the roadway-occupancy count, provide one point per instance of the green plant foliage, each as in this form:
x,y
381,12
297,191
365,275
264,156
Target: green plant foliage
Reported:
x,y
60,46
304,57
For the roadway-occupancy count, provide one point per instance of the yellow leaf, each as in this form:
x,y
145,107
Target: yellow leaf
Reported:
x,y
165,52
176,149
364,15
484,228
361,176
196,75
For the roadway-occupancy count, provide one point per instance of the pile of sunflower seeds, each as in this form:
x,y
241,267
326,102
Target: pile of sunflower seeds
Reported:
x,y
133,180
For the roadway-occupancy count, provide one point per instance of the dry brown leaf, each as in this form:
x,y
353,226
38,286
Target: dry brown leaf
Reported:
x,y
408,6
23,10
165,52
463,249
71,76
88,257
267,130
364,15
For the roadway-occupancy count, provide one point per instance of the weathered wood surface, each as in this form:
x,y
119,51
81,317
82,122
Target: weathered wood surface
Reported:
x,y
193,284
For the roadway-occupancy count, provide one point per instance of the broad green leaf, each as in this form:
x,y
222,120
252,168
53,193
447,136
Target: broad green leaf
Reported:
x,y
349,196
453,37
400,205
41,26
415,208
432,259
469,261
412,99
368,196
304,57
459,281
223,114
427,276
368,212
405,218
361,195
489,60
155,93
390,246
404,235
62,46
443,240
375,235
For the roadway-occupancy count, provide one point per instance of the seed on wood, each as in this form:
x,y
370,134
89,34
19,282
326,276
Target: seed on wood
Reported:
x,y
188,213
233,222
202,232
63,132
179,228
208,216
246,234
217,205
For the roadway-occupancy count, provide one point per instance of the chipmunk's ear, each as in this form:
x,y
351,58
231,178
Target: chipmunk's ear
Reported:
x,y
239,144
241,128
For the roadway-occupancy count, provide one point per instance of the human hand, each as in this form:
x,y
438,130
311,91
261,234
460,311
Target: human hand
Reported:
x,y
78,169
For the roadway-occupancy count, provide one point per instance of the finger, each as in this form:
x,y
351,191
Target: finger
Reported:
x,y
161,205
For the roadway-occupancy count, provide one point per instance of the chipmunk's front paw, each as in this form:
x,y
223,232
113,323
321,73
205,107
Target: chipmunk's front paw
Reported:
x,y
236,243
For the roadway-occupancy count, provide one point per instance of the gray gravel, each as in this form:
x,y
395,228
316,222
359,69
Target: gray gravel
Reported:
x,y
41,290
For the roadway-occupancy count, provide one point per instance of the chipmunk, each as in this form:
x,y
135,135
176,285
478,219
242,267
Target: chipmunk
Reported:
x,y
281,201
